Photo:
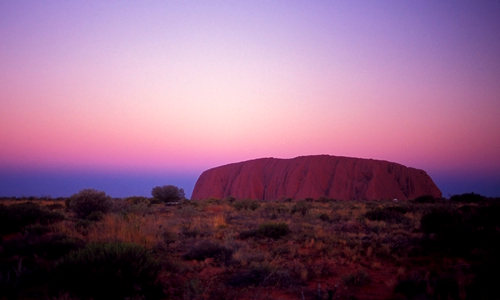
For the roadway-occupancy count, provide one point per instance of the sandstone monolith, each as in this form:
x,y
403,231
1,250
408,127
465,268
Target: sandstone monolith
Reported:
x,y
342,178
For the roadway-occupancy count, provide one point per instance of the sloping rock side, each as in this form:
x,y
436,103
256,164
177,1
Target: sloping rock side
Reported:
x,y
342,178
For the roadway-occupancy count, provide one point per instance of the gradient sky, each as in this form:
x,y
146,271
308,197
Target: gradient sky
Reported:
x,y
126,95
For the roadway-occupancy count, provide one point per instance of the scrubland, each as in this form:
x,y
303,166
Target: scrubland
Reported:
x,y
141,248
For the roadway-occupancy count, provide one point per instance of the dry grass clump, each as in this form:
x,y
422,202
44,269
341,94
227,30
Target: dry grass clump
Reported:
x,y
142,230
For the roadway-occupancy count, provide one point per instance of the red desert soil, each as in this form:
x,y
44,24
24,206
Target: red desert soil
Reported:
x,y
381,287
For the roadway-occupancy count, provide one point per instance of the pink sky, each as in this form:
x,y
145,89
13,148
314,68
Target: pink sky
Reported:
x,y
179,87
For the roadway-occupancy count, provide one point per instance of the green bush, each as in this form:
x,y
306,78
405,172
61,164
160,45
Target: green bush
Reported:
x,y
108,271
87,201
207,249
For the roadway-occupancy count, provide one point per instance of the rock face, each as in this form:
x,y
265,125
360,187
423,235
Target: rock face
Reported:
x,y
342,178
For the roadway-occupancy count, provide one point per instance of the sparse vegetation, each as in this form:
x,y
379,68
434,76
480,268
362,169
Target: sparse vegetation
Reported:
x,y
16,216
208,249
108,271
246,204
234,249
271,230
391,214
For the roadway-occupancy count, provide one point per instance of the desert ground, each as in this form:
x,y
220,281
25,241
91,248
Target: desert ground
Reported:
x,y
143,248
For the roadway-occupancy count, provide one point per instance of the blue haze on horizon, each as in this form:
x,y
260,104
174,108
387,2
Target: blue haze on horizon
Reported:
x,y
64,184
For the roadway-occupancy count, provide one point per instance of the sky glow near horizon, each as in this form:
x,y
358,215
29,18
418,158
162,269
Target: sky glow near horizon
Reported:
x,y
171,88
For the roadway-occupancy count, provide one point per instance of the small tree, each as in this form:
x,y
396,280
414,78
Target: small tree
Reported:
x,y
168,193
87,201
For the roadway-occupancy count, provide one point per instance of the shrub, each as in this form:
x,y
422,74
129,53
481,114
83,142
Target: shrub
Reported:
x,y
212,200
468,198
83,227
324,217
95,216
186,202
47,246
21,279
87,201
169,237
188,232
15,217
438,221
136,200
269,229
55,206
273,230
246,204
207,249
36,229
168,193
56,246
108,271
387,214
425,199
463,229
229,199
301,207
155,201
51,247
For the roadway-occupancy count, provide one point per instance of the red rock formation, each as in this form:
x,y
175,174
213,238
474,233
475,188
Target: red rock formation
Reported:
x,y
342,178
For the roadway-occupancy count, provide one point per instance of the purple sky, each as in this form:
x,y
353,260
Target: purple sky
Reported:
x,y
126,95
